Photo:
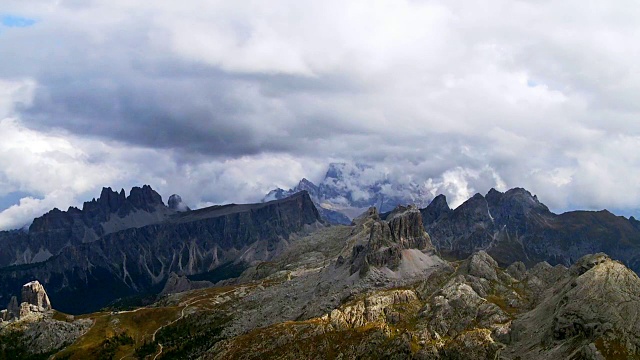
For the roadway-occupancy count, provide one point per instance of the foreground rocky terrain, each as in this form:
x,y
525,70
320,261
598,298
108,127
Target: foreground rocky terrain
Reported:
x,y
32,329
376,289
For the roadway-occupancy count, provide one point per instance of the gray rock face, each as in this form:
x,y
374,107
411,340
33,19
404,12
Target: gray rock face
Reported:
x,y
48,334
34,300
515,226
517,270
401,230
86,277
592,311
111,212
33,293
13,309
435,210
373,308
480,265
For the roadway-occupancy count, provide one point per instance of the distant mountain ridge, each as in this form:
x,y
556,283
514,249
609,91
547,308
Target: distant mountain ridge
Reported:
x,y
111,212
119,246
138,259
516,226
346,191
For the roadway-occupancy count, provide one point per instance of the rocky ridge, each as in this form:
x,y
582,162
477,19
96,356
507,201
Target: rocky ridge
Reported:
x,y
306,302
111,212
516,226
401,230
139,260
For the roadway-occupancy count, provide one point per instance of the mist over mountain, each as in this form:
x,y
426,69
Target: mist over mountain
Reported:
x,y
347,190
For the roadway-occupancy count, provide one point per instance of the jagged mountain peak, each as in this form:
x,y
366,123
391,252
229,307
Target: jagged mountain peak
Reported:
x,y
436,209
440,201
110,212
139,197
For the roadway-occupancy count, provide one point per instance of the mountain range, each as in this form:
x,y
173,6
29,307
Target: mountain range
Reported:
x,y
119,246
347,190
498,277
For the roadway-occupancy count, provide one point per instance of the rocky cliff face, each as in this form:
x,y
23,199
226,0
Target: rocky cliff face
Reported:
x,y
98,214
111,212
401,230
180,283
35,301
87,276
33,293
589,314
515,226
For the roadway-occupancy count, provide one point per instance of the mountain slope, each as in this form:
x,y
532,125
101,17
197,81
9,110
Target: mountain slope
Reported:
x,y
313,300
55,230
515,226
88,276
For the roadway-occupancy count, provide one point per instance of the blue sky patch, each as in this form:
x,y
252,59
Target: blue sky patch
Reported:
x,y
16,21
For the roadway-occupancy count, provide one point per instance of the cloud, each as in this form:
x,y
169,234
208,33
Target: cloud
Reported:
x,y
220,101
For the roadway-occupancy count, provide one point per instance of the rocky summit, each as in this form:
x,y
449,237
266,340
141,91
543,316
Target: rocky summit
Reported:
x,y
515,226
499,277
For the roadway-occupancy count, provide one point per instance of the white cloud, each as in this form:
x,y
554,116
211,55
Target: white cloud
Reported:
x,y
220,101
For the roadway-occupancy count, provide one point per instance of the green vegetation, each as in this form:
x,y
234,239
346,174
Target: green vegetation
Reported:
x,y
13,346
191,336
226,271
131,302
109,346
146,349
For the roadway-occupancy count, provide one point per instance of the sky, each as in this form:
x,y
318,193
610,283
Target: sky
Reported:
x,y
221,101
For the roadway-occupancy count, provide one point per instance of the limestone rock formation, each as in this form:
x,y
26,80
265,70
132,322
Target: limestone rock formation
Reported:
x,y
33,293
591,312
515,226
401,230
31,324
140,259
113,211
34,300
